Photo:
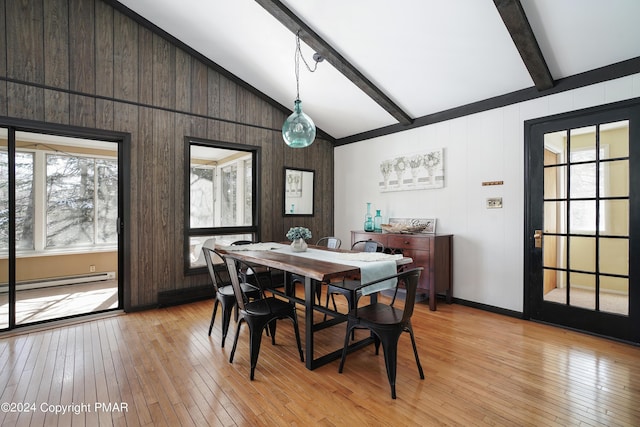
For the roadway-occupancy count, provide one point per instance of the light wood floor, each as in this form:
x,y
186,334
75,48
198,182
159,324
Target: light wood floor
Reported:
x,y
481,369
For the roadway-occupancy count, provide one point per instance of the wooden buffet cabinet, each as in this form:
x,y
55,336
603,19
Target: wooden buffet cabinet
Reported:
x,y
433,252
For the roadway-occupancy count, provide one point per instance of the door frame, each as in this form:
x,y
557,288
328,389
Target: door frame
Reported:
x,y
123,140
626,328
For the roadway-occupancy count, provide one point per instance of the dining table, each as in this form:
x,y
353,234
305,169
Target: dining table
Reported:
x,y
319,266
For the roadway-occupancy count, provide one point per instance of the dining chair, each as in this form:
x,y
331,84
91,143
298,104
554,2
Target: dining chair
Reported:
x,y
224,295
347,287
387,323
262,274
258,315
330,242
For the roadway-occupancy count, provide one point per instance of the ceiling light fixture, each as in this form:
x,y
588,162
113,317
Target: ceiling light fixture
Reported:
x,y
299,131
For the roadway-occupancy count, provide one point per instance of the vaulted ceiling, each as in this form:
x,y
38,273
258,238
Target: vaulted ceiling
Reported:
x,y
396,64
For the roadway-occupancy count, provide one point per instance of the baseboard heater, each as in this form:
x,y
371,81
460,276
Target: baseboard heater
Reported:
x,y
60,281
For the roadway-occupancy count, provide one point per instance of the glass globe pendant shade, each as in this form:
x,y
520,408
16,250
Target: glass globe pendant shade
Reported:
x,y
298,131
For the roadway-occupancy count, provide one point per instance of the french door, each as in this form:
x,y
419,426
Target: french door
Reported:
x,y
582,220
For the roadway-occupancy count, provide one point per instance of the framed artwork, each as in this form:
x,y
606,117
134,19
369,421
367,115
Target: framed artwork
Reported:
x,y
293,183
419,171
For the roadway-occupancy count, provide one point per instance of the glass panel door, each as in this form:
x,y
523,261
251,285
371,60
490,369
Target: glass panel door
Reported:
x,y
66,226
583,185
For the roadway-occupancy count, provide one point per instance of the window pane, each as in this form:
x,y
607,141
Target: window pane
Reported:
x,y
24,201
582,216
583,144
229,195
107,201
614,256
202,185
583,180
582,253
555,145
615,138
616,176
617,217
248,196
70,201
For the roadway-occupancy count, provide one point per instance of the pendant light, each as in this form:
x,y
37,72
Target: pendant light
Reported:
x,y
299,131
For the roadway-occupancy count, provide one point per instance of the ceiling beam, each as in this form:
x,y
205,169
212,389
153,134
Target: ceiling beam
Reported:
x,y
518,26
295,24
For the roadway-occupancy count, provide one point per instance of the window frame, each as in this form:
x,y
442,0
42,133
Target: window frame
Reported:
x,y
189,232
39,179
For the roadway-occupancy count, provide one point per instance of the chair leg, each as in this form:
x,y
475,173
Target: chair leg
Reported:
x,y
226,319
350,327
235,340
415,351
213,316
255,334
271,327
390,347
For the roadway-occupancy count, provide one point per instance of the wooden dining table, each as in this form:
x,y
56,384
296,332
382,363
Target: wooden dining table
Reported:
x,y
314,271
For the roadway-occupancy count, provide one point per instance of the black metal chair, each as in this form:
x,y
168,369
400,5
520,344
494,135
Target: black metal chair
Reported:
x,y
387,323
348,288
256,274
224,292
330,242
258,315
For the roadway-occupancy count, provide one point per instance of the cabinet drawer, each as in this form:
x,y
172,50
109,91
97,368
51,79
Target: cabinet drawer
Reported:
x,y
407,242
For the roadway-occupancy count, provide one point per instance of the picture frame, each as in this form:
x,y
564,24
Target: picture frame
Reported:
x,y
417,171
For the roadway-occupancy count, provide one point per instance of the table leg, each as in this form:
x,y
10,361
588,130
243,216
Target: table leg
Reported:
x,y
309,296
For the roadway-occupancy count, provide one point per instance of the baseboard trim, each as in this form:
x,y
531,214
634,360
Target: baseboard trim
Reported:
x,y
490,308
184,296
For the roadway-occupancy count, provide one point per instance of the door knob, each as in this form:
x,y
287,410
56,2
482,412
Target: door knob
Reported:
x,y
537,238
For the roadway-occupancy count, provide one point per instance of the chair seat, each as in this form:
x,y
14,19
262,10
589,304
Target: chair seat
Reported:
x,y
247,288
270,305
381,314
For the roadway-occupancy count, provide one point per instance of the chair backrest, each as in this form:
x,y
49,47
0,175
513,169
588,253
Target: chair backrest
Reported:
x,y
330,242
367,246
232,267
410,279
209,255
241,242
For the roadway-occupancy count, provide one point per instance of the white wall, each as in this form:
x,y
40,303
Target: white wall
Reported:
x,y
488,243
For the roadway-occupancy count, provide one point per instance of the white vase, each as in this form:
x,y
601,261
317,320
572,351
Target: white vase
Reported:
x,y
298,245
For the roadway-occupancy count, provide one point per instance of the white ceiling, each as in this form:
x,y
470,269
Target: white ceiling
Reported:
x,y
425,55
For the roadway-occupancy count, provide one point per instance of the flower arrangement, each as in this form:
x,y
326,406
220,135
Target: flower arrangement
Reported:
x,y
295,233
399,164
432,159
415,161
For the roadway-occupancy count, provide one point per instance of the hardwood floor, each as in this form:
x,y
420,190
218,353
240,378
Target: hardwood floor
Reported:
x,y
159,367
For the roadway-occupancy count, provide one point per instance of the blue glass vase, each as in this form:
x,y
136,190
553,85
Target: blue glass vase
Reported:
x,y
377,222
368,219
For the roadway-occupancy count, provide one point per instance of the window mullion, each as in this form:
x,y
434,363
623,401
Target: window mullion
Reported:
x,y
40,202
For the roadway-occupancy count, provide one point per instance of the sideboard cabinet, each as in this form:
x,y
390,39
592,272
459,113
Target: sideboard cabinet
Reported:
x,y
433,252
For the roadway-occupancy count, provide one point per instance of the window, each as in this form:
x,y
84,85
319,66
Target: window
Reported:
x,y
66,193
221,203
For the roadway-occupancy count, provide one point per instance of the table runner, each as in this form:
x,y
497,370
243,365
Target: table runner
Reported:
x,y
373,266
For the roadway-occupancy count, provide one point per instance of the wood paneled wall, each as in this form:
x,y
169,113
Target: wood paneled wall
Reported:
x,y
83,63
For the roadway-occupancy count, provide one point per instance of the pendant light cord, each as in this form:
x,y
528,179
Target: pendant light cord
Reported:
x,y
297,57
